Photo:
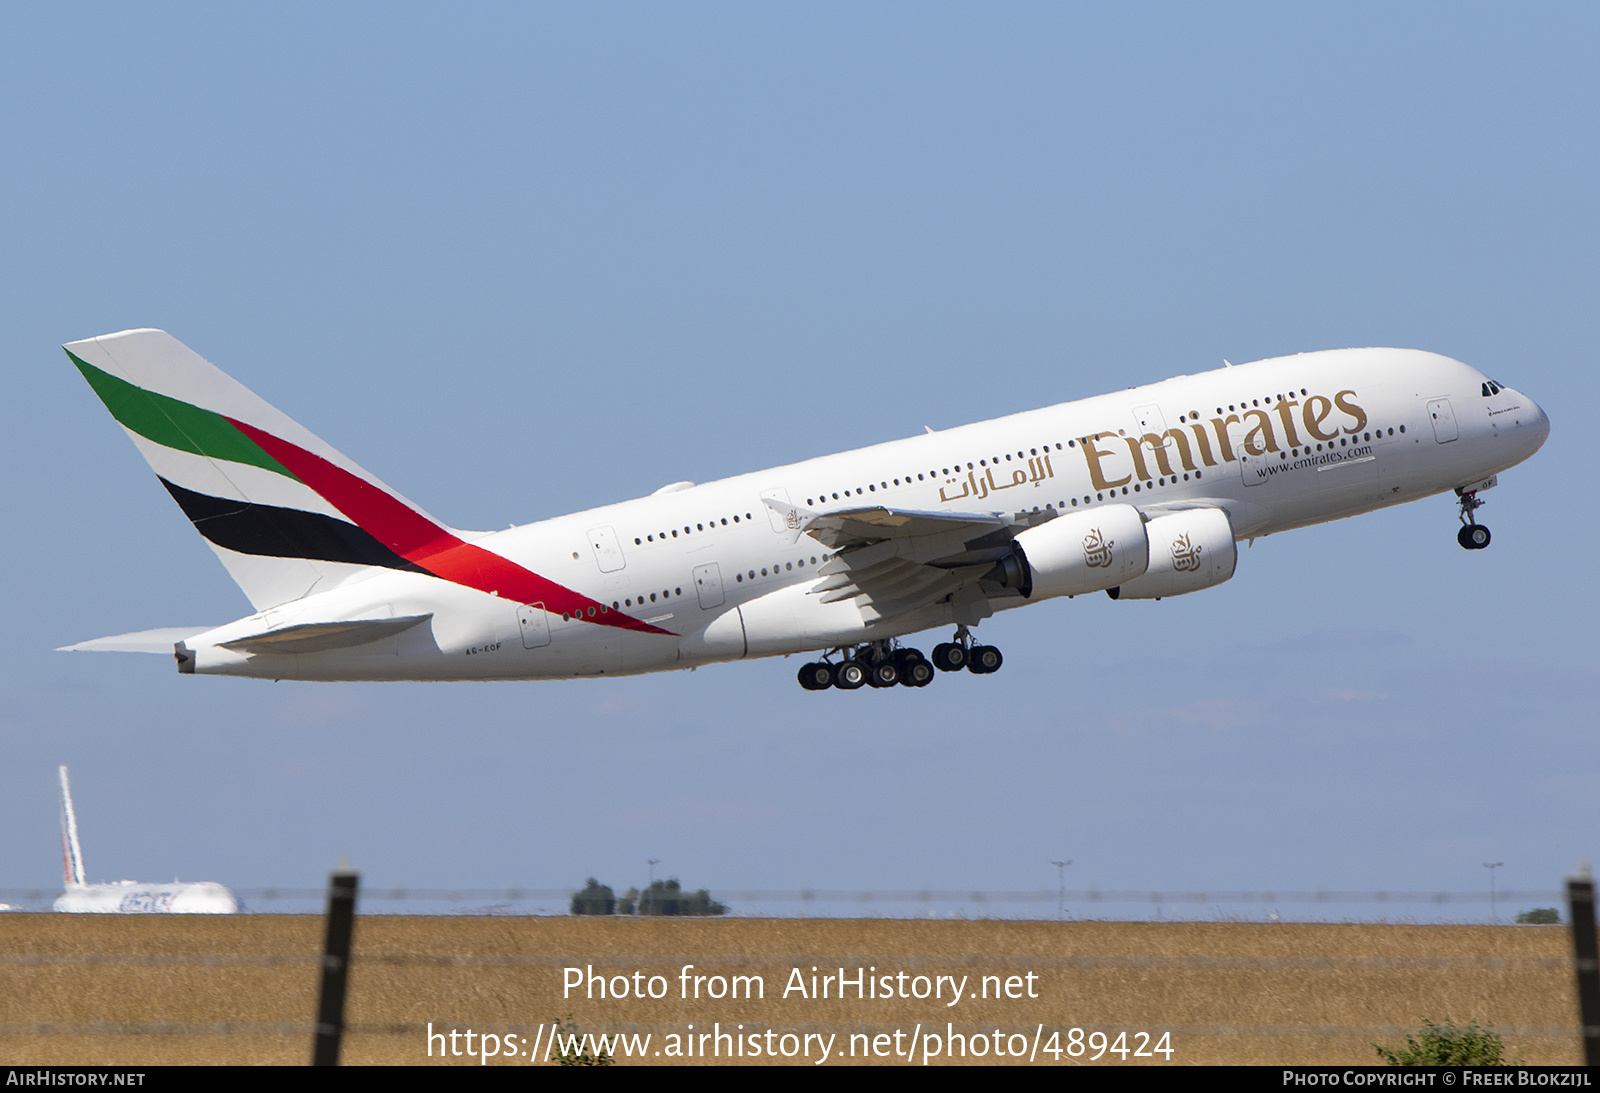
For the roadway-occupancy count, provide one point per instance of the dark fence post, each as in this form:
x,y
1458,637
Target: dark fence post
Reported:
x,y
1586,961
335,967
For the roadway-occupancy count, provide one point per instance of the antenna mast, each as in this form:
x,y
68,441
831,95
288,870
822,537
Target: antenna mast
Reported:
x,y
71,852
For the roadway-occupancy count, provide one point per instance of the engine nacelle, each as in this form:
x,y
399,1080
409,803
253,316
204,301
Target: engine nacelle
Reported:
x,y
1189,550
1083,552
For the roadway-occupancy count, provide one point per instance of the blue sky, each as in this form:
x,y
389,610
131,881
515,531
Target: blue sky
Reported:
x,y
520,260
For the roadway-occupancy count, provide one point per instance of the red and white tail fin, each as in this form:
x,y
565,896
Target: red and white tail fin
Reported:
x,y
71,853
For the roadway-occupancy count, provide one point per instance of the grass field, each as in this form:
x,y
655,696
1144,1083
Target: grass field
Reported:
x,y
130,990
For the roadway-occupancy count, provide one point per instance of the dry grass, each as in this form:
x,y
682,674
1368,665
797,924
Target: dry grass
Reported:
x,y
1229,992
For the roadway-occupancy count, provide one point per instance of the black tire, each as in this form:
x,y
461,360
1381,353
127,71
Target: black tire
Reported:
x,y
949,657
850,675
916,672
816,676
1474,537
883,674
985,659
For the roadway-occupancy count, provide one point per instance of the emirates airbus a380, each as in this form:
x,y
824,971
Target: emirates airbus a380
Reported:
x,y
1141,494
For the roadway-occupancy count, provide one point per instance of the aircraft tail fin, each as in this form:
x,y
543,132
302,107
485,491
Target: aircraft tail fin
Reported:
x,y
71,853
285,512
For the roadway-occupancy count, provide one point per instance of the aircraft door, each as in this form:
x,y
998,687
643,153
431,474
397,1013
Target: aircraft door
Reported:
x,y
1252,467
1444,420
535,625
1153,423
783,521
607,550
1150,419
708,585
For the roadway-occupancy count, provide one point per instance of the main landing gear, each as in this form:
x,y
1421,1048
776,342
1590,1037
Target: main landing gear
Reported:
x,y
883,664
1473,535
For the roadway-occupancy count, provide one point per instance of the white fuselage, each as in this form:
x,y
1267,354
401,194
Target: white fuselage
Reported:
x,y
1277,444
132,898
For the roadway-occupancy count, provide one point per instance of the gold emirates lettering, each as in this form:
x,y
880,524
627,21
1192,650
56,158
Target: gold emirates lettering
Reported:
x,y
1185,555
1097,549
1261,433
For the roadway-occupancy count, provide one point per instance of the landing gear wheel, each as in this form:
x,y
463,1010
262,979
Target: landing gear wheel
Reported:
x,y
985,659
883,674
1473,536
849,675
916,672
816,676
949,657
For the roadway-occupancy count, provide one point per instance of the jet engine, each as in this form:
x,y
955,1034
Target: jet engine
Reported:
x,y
1083,552
1189,550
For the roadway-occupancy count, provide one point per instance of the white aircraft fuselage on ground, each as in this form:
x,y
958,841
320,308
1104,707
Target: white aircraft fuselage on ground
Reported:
x,y
1142,494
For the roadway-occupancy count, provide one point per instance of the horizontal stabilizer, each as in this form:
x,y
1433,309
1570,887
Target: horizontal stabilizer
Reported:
x,y
317,637
142,641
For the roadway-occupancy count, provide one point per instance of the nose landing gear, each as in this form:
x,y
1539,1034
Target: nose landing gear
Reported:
x,y
1473,535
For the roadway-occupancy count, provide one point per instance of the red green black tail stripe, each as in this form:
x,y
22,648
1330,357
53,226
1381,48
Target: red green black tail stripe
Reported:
x,y
384,532
175,424
417,539
274,532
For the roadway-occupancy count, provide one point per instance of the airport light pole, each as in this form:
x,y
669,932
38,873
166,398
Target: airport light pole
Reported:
x,y
1061,888
1491,867
652,863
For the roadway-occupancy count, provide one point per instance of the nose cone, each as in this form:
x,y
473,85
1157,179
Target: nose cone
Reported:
x,y
1537,425
1528,427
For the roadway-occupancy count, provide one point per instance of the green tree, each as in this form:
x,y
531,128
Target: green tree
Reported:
x,y
666,897
594,899
1448,1045
1540,916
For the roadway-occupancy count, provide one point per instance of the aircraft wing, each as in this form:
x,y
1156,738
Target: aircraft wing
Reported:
x,y
891,561
854,527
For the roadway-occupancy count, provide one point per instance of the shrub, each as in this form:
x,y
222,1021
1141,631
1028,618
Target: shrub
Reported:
x,y
575,1050
1540,916
666,897
595,899
1448,1045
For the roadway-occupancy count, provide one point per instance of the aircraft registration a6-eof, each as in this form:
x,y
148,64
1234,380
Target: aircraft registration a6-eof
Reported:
x,y
1141,494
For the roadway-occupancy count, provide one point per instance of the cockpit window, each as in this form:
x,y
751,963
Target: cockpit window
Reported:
x,y
1492,388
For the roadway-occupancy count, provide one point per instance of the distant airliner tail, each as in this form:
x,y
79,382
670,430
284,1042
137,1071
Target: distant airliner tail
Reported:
x,y
71,853
285,512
